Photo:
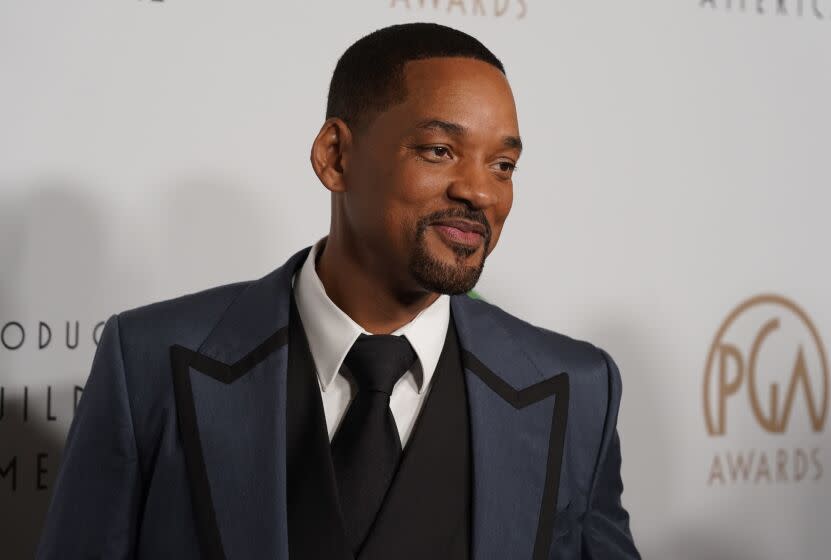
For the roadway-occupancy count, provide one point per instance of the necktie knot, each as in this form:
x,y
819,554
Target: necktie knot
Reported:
x,y
377,361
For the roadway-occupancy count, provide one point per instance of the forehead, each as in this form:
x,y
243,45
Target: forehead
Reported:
x,y
466,91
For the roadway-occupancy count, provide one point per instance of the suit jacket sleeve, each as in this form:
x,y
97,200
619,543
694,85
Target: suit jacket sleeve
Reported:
x,y
95,499
606,534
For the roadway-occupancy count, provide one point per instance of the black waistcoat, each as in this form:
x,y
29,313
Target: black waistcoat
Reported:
x,y
426,512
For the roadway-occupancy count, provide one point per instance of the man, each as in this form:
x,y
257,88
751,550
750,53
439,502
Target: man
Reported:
x,y
355,403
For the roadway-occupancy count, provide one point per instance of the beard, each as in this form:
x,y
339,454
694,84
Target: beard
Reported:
x,y
438,276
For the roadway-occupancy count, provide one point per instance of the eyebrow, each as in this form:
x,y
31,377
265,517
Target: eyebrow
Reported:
x,y
455,129
450,128
512,142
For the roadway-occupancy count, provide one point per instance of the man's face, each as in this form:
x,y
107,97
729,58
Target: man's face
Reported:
x,y
429,181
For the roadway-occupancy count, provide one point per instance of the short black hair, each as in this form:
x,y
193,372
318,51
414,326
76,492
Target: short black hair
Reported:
x,y
369,77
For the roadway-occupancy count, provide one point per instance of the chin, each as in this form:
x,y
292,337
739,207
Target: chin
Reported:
x,y
446,272
456,254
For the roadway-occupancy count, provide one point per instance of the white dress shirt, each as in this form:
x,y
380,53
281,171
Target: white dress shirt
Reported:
x,y
331,333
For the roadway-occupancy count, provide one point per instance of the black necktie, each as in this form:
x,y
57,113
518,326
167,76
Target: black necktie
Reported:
x,y
366,449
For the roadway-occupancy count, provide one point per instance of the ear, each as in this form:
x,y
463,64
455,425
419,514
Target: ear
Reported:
x,y
330,153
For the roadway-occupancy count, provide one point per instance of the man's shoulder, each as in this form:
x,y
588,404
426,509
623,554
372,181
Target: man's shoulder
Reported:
x,y
186,319
551,351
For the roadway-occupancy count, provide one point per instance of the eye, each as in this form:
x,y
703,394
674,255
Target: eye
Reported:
x,y
506,168
434,153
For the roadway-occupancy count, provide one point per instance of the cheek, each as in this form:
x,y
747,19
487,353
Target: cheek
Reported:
x,y
495,233
394,212
400,223
507,203
419,183
375,198
413,192
500,215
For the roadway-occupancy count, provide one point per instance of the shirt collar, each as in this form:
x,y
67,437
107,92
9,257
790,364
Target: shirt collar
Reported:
x,y
331,332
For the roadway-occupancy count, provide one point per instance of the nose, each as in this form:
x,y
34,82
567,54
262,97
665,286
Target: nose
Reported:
x,y
475,185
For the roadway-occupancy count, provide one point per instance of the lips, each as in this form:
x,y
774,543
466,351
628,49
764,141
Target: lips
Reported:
x,y
461,232
462,225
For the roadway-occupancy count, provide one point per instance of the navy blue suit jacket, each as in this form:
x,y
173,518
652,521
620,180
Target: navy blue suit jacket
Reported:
x,y
177,448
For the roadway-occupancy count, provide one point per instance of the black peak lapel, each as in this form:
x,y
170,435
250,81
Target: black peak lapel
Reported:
x,y
518,416
231,406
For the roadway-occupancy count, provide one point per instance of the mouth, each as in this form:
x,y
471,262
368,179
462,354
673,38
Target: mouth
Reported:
x,y
460,232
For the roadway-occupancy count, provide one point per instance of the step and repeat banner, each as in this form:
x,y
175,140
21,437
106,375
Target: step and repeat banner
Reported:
x,y
671,207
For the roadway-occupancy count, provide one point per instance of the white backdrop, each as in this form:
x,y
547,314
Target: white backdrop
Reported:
x,y
676,166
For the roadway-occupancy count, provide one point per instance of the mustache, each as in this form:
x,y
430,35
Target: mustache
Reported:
x,y
460,213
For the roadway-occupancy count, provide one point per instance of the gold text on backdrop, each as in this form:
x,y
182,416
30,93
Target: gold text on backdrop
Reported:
x,y
516,9
769,351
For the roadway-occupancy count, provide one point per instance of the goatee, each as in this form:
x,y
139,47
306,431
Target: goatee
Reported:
x,y
437,276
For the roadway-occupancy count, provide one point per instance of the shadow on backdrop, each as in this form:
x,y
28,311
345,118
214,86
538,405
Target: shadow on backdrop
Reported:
x,y
61,261
214,233
51,249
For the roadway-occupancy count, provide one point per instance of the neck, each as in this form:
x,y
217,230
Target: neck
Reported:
x,y
371,298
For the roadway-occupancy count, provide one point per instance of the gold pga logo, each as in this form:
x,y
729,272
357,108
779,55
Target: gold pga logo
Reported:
x,y
767,368
773,329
